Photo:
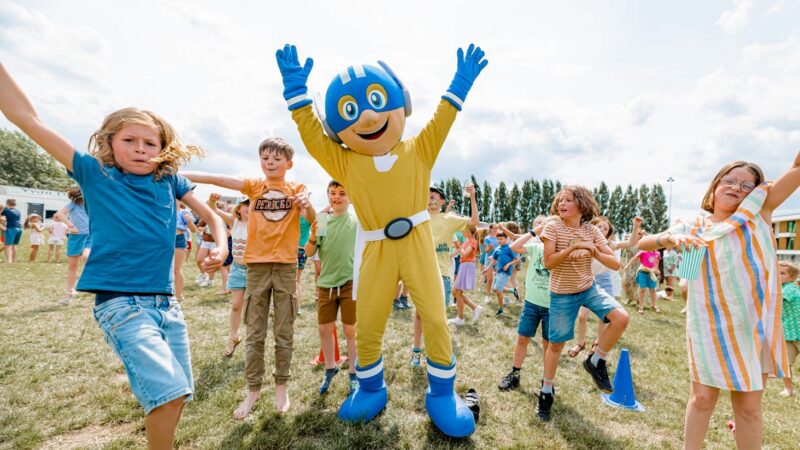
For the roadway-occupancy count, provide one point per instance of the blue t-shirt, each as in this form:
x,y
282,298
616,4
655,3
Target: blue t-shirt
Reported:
x,y
13,217
133,223
490,241
78,217
502,256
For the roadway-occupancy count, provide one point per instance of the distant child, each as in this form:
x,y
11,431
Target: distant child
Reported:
x,y
537,300
465,279
13,231
237,221
36,238
791,318
671,261
58,232
335,243
489,246
646,277
129,173
443,227
185,225
503,261
734,332
79,242
570,245
273,230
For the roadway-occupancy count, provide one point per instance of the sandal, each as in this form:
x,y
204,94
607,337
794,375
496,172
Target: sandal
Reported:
x,y
577,348
232,343
657,309
641,310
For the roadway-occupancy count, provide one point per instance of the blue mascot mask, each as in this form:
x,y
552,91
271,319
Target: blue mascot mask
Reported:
x,y
358,89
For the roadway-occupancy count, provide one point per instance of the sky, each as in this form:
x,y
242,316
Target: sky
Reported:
x,y
625,92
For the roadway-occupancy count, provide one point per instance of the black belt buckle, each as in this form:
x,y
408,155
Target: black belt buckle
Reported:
x,y
398,228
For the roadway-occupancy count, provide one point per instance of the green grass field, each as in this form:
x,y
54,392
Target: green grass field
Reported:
x,y
62,387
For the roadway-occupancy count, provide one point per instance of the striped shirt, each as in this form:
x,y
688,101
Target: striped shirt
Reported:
x,y
572,275
733,316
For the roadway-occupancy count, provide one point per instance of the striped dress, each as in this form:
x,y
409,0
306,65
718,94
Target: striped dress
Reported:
x,y
733,318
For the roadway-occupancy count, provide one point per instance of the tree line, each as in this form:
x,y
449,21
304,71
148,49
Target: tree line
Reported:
x,y
523,203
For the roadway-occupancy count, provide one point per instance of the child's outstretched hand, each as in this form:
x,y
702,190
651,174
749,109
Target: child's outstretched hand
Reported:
x,y
216,257
686,241
213,198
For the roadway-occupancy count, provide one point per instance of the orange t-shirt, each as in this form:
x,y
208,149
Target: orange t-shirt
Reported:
x,y
469,257
273,229
572,275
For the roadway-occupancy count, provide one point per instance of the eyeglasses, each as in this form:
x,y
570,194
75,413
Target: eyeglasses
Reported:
x,y
745,186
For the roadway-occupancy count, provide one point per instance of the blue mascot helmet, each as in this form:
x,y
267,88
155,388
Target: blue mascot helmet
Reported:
x,y
358,88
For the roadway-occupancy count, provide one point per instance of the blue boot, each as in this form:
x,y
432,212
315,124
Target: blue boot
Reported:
x,y
369,398
446,409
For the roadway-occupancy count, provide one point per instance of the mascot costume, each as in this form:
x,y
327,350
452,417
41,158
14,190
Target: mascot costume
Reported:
x,y
356,139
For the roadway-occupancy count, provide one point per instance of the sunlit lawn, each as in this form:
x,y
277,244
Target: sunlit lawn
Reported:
x,y
61,385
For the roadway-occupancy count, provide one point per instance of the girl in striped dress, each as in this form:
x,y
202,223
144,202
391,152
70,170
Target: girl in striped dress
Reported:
x,y
733,321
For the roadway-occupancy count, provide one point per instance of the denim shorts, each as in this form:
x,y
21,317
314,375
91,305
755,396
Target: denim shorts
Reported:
x,y
500,281
237,280
149,336
77,243
180,241
13,235
644,281
564,310
529,321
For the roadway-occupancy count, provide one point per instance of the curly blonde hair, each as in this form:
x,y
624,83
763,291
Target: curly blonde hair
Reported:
x,y
174,153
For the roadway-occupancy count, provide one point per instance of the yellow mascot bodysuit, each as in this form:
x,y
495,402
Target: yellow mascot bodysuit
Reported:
x,y
356,139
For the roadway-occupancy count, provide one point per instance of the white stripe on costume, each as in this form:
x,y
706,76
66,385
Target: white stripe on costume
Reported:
x,y
359,71
454,98
364,374
442,373
344,76
296,99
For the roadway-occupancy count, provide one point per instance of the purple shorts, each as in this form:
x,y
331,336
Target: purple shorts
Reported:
x,y
465,280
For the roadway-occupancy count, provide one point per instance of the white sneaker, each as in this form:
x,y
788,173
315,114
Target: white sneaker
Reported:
x,y
487,299
198,279
457,322
477,314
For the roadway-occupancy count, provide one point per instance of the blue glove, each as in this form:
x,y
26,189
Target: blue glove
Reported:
x,y
295,91
469,67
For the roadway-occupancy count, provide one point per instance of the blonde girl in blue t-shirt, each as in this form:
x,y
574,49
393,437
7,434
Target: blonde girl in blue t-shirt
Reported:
x,y
129,181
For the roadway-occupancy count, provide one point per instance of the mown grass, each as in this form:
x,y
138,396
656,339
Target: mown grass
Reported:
x,y
61,385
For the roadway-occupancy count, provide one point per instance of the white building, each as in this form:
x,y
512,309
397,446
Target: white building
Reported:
x,y
29,201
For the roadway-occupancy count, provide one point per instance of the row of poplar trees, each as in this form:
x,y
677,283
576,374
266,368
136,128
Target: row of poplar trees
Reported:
x,y
523,203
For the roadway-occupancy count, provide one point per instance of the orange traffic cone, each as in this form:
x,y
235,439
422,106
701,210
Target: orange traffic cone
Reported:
x,y
320,359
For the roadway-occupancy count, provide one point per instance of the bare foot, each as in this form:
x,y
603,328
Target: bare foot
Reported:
x,y
246,406
282,402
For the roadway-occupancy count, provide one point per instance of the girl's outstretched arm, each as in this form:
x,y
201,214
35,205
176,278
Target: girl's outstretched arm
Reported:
x,y
19,111
782,188
216,179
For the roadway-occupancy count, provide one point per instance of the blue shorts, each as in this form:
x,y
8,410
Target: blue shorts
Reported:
x,y
13,235
500,281
564,310
180,241
237,280
447,290
529,321
149,336
77,243
644,281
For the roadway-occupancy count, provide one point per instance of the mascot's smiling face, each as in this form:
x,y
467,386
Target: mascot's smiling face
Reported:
x,y
365,107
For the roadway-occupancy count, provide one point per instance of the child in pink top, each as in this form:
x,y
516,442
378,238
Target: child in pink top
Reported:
x,y
58,231
646,277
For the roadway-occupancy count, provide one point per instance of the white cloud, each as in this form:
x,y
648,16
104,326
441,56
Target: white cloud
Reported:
x,y
640,109
737,19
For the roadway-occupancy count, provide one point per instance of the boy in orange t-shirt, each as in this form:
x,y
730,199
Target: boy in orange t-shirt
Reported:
x,y
273,231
